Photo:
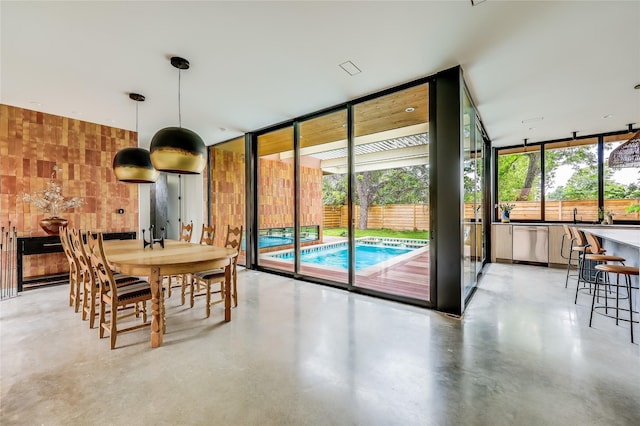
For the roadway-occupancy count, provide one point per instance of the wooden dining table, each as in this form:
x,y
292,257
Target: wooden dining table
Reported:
x,y
177,257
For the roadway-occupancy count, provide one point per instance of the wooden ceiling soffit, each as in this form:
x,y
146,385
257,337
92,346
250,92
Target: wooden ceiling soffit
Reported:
x,y
373,117
234,145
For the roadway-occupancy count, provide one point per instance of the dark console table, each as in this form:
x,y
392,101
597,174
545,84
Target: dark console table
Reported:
x,y
50,244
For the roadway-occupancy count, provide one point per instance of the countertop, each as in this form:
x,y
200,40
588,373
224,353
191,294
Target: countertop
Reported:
x,y
579,225
624,236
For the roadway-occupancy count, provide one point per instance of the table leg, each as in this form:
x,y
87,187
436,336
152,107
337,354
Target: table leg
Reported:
x,y
156,308
227,293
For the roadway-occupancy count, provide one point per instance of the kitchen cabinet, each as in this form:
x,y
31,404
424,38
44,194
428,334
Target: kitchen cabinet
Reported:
x,y
502,242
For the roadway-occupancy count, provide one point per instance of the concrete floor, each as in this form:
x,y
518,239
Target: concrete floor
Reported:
x,y
303,354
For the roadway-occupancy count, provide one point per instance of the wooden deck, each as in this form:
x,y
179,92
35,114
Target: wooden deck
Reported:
x,y
409,277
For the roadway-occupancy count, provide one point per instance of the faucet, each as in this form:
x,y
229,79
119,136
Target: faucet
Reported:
x,y
575,212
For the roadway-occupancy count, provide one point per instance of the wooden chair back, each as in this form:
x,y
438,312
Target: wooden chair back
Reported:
x,y
75,272
208,235
65,240
579,238
78,246
594,244
186,232
234,238
101,266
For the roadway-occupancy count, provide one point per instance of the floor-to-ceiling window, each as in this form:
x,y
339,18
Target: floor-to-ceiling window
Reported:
x,y
322,195
344,196
276,198
473,227
391,194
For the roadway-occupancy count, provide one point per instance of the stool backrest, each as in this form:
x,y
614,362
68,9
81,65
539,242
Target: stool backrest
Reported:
x,y
594,244
579,238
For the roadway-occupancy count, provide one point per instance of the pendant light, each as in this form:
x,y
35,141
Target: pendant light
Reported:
x,y
175,149
626,154
133,165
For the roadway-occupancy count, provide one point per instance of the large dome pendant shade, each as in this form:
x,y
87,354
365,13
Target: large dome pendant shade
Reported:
x,y
133,165
176,149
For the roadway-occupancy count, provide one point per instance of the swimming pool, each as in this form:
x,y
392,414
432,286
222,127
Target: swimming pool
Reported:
x,y
265,241
368,252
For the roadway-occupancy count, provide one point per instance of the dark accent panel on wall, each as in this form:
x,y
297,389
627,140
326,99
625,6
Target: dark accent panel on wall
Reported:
x,y
159,203
445,129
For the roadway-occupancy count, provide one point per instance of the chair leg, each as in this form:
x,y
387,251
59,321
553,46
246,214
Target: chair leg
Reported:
x,y
169,279
235,288
71,290
102,319
85,303
77,299
208,299
113,330
191,289
92,311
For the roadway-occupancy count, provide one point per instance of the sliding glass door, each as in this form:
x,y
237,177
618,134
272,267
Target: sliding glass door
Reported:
x,y
276,200
322,197
391,194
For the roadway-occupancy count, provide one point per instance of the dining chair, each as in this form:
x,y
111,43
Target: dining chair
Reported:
x,y
90,283
75,272
115,295
186,233
202,281
207,237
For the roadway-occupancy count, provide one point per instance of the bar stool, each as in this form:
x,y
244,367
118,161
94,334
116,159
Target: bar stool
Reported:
x,y
567,238
593,254
628,272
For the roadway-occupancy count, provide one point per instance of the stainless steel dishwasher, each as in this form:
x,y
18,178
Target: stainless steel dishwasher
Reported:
x,y
531,243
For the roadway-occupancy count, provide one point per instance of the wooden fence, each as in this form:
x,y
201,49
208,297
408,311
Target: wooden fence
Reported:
x,y
402,217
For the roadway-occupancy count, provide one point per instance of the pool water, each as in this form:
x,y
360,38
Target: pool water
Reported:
x,y
274,241
366,255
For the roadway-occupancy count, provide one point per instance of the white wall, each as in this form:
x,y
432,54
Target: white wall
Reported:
x,y
192,203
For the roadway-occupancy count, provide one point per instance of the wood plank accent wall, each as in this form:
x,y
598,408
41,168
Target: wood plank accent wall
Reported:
x,y
276,199
31,143
228,198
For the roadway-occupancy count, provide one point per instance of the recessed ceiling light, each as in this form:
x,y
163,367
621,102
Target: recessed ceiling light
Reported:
x,y
607,116
637,87
532,128
223,129
410,109
350,68
532,120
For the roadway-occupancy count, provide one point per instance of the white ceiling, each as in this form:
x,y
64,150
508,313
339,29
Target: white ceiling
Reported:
x,y
259,63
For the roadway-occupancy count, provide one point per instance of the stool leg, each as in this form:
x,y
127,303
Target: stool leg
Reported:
x,y
628,281
566,281
580,272
593,299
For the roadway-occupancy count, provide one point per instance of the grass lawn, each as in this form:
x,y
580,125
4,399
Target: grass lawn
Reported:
x,y
342,232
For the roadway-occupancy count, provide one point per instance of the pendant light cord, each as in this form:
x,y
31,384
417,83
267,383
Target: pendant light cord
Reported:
x,y
137,122
179,104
